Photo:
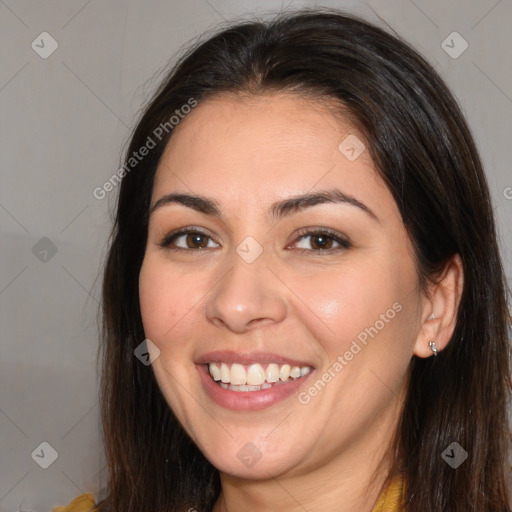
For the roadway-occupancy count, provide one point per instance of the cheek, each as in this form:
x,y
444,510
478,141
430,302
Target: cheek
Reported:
x,y
369,301
165,306
164,301
345,302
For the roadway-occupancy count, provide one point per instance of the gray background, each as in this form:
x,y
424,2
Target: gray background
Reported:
x,y
64,120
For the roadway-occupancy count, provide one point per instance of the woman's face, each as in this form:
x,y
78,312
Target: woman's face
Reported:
x,y
277,283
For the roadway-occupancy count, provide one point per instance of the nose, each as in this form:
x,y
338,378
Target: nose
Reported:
x,y
248,295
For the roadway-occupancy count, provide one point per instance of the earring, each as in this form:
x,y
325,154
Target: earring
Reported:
x,y
432,345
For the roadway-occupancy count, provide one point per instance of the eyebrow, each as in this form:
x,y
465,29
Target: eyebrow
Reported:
x,y
278,210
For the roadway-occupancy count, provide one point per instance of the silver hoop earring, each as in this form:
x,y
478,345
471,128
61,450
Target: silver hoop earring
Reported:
x,y
432,345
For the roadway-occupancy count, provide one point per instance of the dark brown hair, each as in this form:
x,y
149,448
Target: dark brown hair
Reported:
x,y
423,149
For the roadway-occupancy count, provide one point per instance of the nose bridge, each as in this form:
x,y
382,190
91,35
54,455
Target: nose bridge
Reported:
x,y
248,292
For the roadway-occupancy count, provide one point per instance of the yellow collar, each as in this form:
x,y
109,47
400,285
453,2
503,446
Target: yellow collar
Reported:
x,y
392,497
83,503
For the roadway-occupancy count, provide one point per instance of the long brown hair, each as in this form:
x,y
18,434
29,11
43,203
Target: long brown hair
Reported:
x,y
423,149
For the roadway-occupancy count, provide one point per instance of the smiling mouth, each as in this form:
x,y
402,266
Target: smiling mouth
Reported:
x,y
254,377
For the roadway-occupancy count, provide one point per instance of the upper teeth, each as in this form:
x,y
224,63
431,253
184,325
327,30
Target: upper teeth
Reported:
x,y
254,375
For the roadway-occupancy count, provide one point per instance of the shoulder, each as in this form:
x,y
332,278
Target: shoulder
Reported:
x,y
83,503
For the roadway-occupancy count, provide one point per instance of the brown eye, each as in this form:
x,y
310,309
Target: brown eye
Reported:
x,y
320,241
187,240
195,240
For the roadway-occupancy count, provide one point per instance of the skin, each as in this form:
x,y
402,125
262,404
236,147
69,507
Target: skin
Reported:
x,y
247,154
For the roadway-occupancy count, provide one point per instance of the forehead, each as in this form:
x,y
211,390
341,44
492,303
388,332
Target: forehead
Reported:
x,y
261,148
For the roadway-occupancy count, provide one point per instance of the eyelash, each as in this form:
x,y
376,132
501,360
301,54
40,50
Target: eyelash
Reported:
x,y
343,242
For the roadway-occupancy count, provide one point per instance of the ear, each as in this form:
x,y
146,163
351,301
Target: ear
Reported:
x,y
440,306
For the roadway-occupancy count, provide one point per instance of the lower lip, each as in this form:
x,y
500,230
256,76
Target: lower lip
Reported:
x,y
248,400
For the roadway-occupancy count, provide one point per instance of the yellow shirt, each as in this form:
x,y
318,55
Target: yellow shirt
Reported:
x,y
389,500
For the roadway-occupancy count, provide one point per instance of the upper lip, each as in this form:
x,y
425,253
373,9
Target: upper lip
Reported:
x,y
230,356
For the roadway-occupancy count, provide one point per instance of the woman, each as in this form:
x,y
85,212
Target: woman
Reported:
x,y
305,252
